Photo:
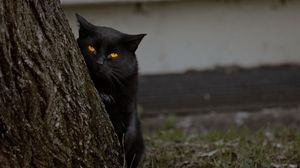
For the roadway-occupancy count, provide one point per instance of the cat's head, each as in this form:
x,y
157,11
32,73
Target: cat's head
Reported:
x,y
108,53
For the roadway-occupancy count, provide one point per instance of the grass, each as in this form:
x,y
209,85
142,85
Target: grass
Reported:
x,y
234,148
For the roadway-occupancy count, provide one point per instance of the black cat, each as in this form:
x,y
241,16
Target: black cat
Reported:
x,y
111,60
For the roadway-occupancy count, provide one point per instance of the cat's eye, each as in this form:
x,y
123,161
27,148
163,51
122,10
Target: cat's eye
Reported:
x,y
91,49
113,55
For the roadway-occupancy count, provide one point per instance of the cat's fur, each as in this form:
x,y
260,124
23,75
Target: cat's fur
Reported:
x,y
116,81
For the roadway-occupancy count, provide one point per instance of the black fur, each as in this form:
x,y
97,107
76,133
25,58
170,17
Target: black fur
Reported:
x,y
116,81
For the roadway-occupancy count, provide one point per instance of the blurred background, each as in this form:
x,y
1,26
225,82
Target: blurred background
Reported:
x,y
209,64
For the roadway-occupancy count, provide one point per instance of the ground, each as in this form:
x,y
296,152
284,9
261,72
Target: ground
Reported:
x,y
236,147
268,138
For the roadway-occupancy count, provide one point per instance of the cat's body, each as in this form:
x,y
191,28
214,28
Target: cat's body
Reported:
x,y
110,58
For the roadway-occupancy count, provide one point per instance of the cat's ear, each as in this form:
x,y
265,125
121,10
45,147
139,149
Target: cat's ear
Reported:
x,y
84,25
133,41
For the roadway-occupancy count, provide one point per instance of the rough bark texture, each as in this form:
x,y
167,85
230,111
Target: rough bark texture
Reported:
x,y
50,115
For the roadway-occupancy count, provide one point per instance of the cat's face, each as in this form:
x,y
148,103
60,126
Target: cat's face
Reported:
x,y
108,53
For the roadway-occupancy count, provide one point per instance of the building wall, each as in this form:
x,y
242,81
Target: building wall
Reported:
x,y
196,35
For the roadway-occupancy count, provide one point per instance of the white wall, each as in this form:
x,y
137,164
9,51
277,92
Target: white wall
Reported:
x,y
187,35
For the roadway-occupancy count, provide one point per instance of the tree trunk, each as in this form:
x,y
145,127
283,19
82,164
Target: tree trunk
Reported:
x,y
50,112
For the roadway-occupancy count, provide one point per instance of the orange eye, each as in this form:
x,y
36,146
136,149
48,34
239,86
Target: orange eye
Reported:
x,y
113,55
91,49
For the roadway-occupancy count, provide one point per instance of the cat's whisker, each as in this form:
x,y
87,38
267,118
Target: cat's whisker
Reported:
x,y
110,80
112,84
116,77
117,74
120,84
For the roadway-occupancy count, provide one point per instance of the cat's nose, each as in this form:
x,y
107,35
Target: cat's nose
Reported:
x,y
100,61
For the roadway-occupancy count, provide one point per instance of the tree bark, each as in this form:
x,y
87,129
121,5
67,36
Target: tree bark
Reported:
x,y
50,112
